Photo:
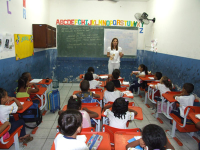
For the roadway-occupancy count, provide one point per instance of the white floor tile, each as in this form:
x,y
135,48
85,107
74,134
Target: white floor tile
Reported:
x,y
47,145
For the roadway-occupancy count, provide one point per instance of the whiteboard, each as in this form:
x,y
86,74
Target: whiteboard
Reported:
x,y
128,40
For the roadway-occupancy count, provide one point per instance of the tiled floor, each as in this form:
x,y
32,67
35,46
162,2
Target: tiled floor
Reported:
x,y
46,132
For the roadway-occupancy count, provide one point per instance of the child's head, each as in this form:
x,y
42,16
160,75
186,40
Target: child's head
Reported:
x,y
28,75
154,137
74,102
157,75
166,81
70,122
88,76
110,86
91,69
22,82
188,87
120,107
85,86
3,96
142,68
115,74
117,70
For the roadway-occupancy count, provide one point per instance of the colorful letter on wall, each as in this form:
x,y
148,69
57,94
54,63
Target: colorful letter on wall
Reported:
x,y
24,13
23,46
9,12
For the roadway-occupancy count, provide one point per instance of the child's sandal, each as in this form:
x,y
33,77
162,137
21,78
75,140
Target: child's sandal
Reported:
x,y
28,139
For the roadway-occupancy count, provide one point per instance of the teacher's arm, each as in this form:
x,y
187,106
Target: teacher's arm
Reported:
x,y
108,54
120,54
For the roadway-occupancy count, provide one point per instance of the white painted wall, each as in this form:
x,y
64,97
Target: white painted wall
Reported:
x,y
176,27
96,10
14,23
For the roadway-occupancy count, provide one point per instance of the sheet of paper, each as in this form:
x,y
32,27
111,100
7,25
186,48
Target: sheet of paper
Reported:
x,y
103,77
197,116
22,103
151,85
125,83
152,78
35,80
128,93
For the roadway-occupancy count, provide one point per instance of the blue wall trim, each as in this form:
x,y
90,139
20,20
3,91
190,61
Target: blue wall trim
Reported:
x,y
40,66
179,69
92,58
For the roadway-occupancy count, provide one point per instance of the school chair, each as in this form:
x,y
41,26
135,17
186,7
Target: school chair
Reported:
x,y
111,130
121,89
97,90
90,104
89,129
6,144
183,127
129,104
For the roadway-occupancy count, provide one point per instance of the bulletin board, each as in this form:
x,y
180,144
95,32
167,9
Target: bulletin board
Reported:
x,y
23,46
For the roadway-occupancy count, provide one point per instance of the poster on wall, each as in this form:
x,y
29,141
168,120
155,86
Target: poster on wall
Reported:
x,y
1,42
23,46
8,42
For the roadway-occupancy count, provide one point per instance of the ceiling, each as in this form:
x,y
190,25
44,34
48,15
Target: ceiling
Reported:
x,y
122,0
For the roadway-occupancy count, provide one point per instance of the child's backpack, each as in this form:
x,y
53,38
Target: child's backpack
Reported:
x,y
88,99
53,98
32,114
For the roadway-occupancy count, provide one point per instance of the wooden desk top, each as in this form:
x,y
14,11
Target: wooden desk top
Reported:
x,y
96,109
121,139
169,96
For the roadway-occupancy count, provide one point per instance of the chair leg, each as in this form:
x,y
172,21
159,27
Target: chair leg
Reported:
x,y
173,129
16,141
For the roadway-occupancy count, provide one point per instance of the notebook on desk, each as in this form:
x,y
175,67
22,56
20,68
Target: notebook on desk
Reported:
x,y
35,80
197,116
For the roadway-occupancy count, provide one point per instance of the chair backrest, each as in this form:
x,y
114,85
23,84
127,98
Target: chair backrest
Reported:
x,y
121,88
111,130
90,104
89,129
100,90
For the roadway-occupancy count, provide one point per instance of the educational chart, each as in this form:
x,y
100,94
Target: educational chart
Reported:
x,y
127,40
23,46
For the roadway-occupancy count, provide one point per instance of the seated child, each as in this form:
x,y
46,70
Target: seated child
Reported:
x,y
157,76
111,94
24,88
69,123
4,126
185,98
153,137
6,110
114,78
95,76
75,103
164,86
137,83
28,75
93,83
119,114
86,95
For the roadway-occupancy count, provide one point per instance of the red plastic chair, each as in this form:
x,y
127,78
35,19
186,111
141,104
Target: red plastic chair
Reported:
x,y
89,129
183,127
6,144
121,89
99,90
90,104
110,130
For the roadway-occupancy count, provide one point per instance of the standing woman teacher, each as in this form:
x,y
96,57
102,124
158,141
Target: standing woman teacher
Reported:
x,y
114,53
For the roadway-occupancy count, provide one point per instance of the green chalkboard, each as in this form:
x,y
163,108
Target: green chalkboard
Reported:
x,y
82,41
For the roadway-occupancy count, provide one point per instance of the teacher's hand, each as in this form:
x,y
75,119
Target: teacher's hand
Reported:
x,y
121,54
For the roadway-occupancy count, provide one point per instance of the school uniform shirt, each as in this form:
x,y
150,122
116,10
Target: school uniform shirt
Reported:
x,y
5,110
95,76
162,88
115,54
111,96
184,102
118,122
141,73
116,83
94,84
62,142
86,119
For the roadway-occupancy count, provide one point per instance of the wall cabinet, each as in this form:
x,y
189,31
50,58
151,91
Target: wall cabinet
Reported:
x,y
44,36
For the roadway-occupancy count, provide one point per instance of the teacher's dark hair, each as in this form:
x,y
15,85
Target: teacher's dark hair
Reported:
x,y
112,47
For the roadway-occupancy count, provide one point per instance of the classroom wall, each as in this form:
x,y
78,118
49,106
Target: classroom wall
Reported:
x,y
177,31
40,65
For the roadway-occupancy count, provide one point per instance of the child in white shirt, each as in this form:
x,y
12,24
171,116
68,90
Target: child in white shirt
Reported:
x,y
153,138
120,113
6,110
95,76
111,94
137,83
69,123
185,98
93,83
164,86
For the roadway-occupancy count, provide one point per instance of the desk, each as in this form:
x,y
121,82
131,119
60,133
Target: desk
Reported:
x,y
26,105
152,91
146,78
41,94
139,116
47,84
96,109
96,92
127,96
121,139
105,143
193,118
